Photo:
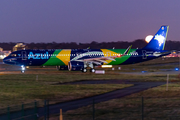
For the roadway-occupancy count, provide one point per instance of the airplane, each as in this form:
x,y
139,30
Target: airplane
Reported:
x,y
81,59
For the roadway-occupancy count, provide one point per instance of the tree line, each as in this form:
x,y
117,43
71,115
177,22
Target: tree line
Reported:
x,y
139,43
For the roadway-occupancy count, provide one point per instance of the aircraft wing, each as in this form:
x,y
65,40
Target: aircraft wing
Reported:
x,y
99,60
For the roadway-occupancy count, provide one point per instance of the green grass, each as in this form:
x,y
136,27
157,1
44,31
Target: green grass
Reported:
x,y
26,87
20,88
158,104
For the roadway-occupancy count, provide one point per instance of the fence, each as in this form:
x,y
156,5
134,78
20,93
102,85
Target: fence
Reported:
x,y
28,111
128,108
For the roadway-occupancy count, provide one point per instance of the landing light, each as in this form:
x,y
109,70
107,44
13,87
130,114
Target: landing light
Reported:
x,y
106,66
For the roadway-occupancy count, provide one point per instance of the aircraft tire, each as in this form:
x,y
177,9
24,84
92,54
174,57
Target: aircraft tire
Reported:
x,y
92,70
84,70
58,67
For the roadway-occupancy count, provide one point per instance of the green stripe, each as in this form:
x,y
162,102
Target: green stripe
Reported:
x,y
122,59
53,61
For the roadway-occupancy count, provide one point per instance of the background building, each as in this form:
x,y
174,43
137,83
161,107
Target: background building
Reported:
x,y
19,46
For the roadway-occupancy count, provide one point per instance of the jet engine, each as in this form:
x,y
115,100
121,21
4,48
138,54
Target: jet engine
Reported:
x,y
76,66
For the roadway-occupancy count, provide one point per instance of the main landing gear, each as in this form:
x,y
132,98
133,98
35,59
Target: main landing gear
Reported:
x,y
92,70
84,70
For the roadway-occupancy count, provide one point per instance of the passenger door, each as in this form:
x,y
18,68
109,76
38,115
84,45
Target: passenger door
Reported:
x,y
24,56
144,56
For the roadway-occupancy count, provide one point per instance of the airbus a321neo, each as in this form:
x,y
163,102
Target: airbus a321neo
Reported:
x,y
81,59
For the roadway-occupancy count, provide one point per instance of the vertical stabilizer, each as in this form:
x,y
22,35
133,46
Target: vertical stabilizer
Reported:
x,y
159,39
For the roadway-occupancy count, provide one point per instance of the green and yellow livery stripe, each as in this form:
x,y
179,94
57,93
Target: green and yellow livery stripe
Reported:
x,y
64,56
113,52
53,60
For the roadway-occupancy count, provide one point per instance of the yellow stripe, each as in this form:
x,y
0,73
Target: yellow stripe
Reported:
x,y
64,56
108,53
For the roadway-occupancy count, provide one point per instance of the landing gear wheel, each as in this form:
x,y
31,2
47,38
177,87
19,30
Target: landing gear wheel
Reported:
x,y
58,67
92,70
22,68
84,70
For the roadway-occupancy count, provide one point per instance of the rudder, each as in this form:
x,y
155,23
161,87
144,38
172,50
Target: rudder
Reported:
x,y
159,39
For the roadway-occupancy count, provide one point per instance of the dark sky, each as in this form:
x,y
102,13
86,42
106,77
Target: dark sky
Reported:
x,y
86,20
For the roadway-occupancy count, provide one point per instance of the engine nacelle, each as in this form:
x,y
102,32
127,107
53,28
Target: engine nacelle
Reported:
x,y
75,66
62,67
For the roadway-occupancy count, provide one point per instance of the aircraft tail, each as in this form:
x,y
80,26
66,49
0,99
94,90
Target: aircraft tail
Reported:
x,y
159,39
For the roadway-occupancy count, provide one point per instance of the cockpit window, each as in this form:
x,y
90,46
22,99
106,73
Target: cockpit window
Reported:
x,y
13,55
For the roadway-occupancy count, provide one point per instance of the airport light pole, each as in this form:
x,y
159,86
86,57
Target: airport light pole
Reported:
x,y
179,58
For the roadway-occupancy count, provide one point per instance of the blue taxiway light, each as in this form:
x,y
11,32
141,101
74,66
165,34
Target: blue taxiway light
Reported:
x,y
176,69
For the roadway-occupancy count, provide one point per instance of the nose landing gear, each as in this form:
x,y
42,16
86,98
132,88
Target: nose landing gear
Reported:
x,y
22,68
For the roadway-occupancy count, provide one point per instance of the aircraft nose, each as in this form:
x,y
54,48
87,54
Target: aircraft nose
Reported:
x,y
5,59
10,61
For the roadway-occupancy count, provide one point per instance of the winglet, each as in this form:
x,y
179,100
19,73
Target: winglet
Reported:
x,y
127,50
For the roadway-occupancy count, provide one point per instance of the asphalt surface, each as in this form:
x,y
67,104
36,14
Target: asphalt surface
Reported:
x,y
74,104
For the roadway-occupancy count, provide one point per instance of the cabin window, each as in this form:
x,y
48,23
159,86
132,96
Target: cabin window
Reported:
x,y
13,55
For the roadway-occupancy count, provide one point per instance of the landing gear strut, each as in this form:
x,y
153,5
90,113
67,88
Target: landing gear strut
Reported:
x,y
22,69
88,65
92,68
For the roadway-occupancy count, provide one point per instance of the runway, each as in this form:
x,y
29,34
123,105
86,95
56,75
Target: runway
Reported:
x,y
74,104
